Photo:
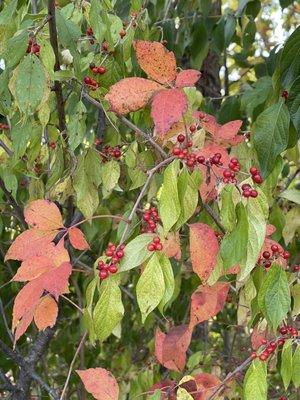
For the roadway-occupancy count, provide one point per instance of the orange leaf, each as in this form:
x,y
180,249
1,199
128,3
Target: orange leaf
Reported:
x,y
170,348
187,77
206,384
131,94
56,281
204,248
77,239
45,313
30,243
171,246
44,215
158,63
100,383
23,324
207,301
32,268
168,106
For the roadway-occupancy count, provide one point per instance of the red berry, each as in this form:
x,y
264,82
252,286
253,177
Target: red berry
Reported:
x,y
246,186
190,163
95,70
117,153
274,248
286,255
283,330
264,341
254,193
269,350
253,355
285,94
266,254
120,253
263,357
268,264
89,31
122,33
156,239
201,159
158,246
52,144
113,268
87,80
193,128
109,252
105,46
281,342
180,138
146,217
101,70
257,178
231,166
103,274
296,268
227,173
247,193
176,151
283,398
234,161
253,171
151,247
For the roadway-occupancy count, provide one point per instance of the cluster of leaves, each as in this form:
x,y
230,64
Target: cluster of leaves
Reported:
x,y
217,270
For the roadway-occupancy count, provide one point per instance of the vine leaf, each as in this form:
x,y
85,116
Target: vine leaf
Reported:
x,y
168,106
207,301
154,59
204,248
131,94
100,383
77,239
187,77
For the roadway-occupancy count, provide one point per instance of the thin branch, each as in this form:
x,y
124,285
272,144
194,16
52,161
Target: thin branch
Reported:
x,y
72,365
213,215
7,385
128,123
72,302
40,27
5,148
150,174
14,204
57,84
5,321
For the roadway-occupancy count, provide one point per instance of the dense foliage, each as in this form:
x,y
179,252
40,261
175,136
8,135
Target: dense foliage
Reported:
x,y
150,199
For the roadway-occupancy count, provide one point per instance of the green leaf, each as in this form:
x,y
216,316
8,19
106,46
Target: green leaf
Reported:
x,y
274,296
136,252
188,193
77,126
16,49
286,368
249,34
155,396
293,103
10,181
271,134
96,21
150,288
296,299
169,205
47,56
234,245
257,211
109,309
290,59
255,382
200,45
7,12
227,212
229,29
292,224
291,195
256,95
29,84
168,279
110,175
296,368
183,394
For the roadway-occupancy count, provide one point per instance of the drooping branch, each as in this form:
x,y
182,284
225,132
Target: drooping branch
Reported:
x,y
57,84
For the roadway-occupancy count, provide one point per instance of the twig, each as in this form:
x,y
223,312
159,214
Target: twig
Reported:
x,y
72,302
40,27
213,215
7,383
5,148
150,174
57,84
5,321
291,178
72,364
129,124
14,204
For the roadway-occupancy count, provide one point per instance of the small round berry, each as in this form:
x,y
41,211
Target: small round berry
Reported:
x,y
274,248
158,246
234,161
109,252
253,171
283,330
151,247
105,46
122,247
101,70
247,193
254,193
231,166
120,253
201,159
296,268
156,240
273,344
87,80
263,357
146,217
246,186
286,255
113,268
95,70
181,138
253,355
193,128
190,163
117,153
227,173
268,264
122,33
103,274
266,254
176,151
264,341
285,94
281,342
257,179
283,398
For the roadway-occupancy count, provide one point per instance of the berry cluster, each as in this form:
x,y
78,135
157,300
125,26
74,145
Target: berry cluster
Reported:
x,y
268,258
90,82
248,191
155,245
33,47
4,127
229,173
109,151
255,175
288,330
90,32
111,267
150,218
97,70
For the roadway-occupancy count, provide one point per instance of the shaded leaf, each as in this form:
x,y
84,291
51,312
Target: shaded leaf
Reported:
x,y
286,368
136,252
45,313
255,381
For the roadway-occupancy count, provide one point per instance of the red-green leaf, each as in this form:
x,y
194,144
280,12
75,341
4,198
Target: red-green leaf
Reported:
x,y
100,383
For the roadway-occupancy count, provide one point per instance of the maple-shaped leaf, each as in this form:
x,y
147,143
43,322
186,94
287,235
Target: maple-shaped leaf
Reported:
x,y
100,383
32,268
204,248
170,348
168,106
30,243
207,301
45,313
208,186
171,245
154,59
187,77
206,384
131,94
43,215
77,239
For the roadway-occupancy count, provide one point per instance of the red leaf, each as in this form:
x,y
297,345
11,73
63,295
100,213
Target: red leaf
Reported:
x,y
23,324
171,245
56,281
44,215
30,243
32,268
170,348
158,63
207,301
167,388
45,313
270,230
204,248
168,106
100,383
206,384
187,77
131,94
77,239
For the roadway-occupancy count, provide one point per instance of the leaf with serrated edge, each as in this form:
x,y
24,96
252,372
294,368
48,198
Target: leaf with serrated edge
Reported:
x,y
100,383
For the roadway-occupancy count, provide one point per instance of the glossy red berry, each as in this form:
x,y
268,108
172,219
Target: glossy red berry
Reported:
x,y
286,255
234,161
283,330
263,357
257,178
285,94
201,159
176,151
109,252
180,138
103,274
268,264
227,173
266,254
105,46
193,128
158,246
281,342
296,268
113,268
101,70
246,186
120,253
122,33
253,355
254,193
264,341
156,240
283,398
151,247
247,193
274,248
253,171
